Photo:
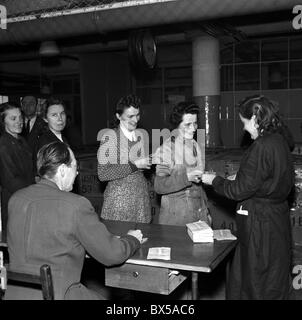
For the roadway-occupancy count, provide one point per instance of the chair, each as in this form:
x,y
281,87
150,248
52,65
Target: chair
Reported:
x,y
44,279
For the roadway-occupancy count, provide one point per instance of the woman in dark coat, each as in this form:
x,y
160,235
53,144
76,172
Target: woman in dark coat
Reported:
x,y
55,117
16,170
261,265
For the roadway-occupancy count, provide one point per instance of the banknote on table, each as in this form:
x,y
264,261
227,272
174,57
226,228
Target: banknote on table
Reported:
x,y
162,253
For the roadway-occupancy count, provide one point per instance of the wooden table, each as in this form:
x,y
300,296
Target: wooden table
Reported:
x,y
139,273
185,255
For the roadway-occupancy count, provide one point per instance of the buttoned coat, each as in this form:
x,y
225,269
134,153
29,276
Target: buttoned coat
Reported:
x,y
182,201
16,170
37,130
262,260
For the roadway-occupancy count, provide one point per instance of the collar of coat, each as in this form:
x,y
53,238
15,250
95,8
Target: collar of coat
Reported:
x,y
48,182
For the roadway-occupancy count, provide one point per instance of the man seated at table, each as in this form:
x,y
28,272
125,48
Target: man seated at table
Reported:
x,y
48,224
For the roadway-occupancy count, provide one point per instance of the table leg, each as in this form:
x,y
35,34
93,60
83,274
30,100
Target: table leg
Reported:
x,y
194,283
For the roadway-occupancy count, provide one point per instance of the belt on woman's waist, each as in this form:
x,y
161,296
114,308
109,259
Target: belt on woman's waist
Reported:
x,y
185,194
270,201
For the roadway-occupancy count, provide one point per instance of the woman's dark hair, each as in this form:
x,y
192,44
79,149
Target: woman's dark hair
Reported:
x,y
50,157
52,101
265,111
126,102
267,117
3,108
182,108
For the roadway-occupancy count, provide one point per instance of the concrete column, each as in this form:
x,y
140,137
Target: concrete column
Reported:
x,y
206,85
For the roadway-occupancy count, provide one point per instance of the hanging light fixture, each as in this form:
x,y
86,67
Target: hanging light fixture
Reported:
x,y
44,83
49,49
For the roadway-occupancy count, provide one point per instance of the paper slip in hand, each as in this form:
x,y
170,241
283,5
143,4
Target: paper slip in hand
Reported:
x,y
243,212
163,253
232,177
223,234
144,240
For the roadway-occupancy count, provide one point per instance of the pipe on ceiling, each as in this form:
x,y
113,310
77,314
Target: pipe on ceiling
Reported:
x,y
150,13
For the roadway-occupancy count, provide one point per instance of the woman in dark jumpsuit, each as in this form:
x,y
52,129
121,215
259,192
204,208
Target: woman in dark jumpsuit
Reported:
x,y
262,260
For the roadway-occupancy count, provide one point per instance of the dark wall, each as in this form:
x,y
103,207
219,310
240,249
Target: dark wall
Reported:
x,y
105,77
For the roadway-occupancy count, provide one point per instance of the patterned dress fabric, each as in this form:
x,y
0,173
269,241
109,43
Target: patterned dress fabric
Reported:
x,y
126,197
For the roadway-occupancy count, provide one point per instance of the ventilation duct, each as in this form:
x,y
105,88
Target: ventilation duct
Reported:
x,y
128,15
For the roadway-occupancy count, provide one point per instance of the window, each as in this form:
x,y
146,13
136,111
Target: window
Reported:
x,y
247,51
164,85
3,99
226,78
274,49
274,75
247,77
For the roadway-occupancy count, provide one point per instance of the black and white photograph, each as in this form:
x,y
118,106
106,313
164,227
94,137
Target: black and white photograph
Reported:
x,y
150,153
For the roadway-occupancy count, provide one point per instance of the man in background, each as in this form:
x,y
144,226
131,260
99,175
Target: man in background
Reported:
x,y
33,125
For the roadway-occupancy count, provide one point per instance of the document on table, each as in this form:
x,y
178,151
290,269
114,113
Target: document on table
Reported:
x,y
223,234
162,253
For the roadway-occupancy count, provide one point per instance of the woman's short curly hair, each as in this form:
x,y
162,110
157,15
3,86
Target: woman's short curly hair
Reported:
x,y
266,113
126,102
131,100
180,110
53,101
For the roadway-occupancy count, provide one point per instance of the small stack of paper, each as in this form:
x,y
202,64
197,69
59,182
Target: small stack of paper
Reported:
x,y
224,234
200,231
163,253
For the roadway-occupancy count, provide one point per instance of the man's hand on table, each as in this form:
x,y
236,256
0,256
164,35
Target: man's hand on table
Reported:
x,y
138,235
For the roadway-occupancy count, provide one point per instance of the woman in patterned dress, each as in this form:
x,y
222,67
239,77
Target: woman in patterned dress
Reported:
x,y
178,171
126,196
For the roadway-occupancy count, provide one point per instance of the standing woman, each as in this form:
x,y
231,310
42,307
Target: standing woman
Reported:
x,y
262,262
55,117
126,196
178,171
16,170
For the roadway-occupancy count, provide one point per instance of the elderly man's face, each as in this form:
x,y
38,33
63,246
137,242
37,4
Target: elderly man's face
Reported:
x,y
70,174
29,106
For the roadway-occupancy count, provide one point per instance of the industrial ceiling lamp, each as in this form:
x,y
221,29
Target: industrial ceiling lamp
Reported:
x,y
49,49
45,89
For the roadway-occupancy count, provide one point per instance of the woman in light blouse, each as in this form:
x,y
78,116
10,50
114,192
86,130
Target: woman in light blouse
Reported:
x,y
126,196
